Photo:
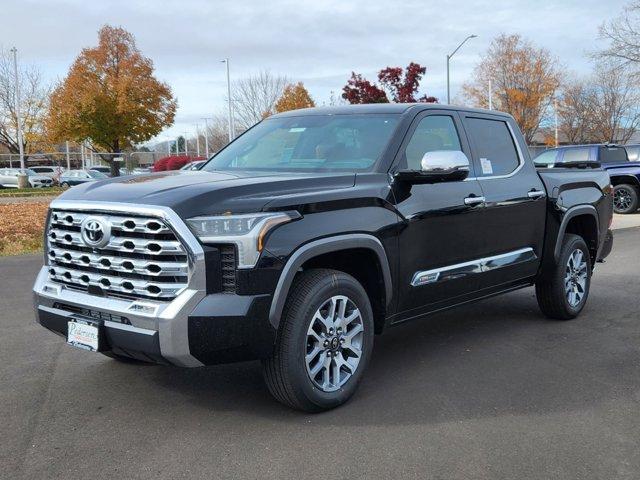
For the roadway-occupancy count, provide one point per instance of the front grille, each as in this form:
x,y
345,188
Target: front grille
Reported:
x,y
228,262
142,259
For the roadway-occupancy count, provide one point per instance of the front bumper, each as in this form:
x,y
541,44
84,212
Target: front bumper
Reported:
x,y
194,329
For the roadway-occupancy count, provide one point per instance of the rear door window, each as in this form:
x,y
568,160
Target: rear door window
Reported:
x,y
576,154
495,149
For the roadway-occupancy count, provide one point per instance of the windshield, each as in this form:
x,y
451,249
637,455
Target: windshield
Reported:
x,y
317,143
96,174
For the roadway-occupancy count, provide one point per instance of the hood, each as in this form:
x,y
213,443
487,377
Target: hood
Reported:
x,y
192,193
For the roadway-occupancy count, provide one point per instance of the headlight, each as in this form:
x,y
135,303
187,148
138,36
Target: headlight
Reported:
x,y
246,231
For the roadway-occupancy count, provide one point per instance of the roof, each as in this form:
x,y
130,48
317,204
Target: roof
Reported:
x,y
381,108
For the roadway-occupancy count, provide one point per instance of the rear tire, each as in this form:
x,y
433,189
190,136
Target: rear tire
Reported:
x,y
324,342
625,199
562,291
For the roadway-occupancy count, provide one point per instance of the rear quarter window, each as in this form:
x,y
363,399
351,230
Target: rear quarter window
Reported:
x,y
613,154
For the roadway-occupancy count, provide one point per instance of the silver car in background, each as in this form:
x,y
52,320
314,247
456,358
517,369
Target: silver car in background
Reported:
x,y
9,178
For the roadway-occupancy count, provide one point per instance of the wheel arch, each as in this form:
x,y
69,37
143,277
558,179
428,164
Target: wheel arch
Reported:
x,y
625,179
313,252
581,220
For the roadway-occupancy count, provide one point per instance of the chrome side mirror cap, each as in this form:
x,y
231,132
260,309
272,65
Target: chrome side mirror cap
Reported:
x,y
446,163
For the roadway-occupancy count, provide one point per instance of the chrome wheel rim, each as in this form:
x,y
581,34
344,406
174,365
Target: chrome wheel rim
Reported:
x,y
575,280
621,199
334,343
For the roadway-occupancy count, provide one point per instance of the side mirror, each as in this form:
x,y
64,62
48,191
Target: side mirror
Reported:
x,y
438,166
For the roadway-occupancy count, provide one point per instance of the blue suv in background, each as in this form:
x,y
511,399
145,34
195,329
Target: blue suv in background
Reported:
x,y
623,164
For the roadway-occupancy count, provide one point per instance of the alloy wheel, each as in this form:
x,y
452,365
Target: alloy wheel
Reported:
x,y
334,343
621,199
575,280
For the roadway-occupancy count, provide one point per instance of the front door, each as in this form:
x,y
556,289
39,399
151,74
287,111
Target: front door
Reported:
x,y
437,244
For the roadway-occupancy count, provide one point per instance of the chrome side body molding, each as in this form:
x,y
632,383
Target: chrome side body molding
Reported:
x,y
480,265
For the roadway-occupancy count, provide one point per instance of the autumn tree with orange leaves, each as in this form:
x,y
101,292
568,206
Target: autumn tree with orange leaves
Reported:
x,y
110,97
294,97
523,80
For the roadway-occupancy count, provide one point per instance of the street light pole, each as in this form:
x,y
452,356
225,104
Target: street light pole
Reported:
x,y
14,50
231,127
555,115
448,61
197,140
206,137
186,144
67,152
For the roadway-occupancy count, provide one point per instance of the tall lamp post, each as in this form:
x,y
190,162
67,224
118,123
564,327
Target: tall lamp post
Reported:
x,y
448,60
14,51
198,140
231,127
206,136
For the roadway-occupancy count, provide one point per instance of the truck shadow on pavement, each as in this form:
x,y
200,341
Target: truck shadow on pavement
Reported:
x,y
498,357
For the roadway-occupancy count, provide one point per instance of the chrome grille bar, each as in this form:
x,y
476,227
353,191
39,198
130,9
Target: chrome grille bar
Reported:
x,y
116,284
118,264
120,244
118,222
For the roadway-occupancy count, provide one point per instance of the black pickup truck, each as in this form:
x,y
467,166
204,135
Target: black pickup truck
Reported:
x,y
310,233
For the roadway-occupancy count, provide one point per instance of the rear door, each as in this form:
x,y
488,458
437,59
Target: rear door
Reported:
x,y
515,208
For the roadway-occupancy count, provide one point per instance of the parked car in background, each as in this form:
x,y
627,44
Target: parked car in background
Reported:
x,y
197,165
9,178
76,177
625,174
106,170
51,171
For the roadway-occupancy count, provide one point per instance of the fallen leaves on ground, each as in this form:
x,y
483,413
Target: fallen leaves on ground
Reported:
x,y
22,227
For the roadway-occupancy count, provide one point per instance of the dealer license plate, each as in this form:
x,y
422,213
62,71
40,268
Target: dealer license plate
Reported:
x,y
83,335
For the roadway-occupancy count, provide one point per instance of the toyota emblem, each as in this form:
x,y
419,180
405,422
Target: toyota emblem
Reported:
x,y
95,232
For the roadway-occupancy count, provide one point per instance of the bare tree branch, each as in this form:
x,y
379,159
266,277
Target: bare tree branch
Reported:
x,y
34,97
254,98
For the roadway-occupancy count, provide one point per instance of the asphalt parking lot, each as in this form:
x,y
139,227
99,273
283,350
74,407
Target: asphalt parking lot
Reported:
x,y
492,391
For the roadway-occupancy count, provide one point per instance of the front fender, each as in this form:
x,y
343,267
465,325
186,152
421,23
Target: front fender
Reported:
x,y
320,247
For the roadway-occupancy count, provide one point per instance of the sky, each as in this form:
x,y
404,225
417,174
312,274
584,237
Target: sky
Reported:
x,y
318,42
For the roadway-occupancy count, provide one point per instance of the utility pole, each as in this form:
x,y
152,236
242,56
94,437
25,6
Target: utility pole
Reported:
x,y
449,59
14,50
231,126
206,137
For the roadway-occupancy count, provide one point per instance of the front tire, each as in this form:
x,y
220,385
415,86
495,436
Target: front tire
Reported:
x,y
625,199
65,185
324,342
562,291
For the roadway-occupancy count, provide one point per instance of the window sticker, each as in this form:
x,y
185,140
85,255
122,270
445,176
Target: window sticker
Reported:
x,y
297,129
487,169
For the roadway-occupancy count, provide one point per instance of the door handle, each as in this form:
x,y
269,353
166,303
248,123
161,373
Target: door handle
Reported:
x,y
536,194
474,200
